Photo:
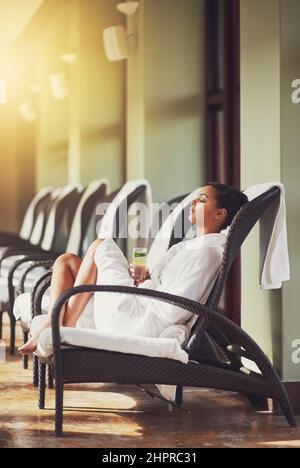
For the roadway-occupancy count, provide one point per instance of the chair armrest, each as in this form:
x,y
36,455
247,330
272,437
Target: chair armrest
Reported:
x,y
14,268
18,250
33,266
30,254
38,291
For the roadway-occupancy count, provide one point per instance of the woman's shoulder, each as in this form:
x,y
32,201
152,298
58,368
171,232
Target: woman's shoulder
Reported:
x,y
207,242
207,249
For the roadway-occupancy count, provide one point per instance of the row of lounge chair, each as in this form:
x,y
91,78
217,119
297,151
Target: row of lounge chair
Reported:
x,y
65,220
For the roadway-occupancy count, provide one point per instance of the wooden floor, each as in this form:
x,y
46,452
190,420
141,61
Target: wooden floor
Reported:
x,y
111,416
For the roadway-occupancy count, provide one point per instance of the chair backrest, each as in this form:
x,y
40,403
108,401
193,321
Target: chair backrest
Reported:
x,y
43,210
111,223
173,229
32,212
95,221
241,226
159,215
94,193
60,218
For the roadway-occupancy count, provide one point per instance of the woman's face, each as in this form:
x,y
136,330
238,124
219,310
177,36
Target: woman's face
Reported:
x,y
204,212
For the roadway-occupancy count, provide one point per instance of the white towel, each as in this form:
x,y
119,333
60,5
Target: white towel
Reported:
x,y
181,334
274,255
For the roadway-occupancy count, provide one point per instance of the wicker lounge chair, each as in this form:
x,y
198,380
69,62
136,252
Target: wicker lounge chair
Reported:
x,y
73,364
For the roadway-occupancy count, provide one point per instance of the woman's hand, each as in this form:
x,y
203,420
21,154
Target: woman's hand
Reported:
x,y
139,281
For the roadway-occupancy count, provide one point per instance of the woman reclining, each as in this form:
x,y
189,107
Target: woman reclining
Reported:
x,y
189,269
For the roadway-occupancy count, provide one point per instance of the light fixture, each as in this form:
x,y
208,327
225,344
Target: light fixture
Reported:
x,y
128,8
115,43
118,44
69,57
27,111
58,85
2,91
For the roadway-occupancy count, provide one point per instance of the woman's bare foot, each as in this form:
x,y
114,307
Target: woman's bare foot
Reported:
x,y
28,347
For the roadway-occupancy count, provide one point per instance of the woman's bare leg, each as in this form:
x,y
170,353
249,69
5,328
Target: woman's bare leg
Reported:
x,y
87,274
68,271
65,269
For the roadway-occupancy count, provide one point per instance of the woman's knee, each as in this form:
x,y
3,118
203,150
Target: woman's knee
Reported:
x,y
92,248
66,260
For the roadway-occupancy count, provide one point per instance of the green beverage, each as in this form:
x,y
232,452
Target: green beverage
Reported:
x,y
139,263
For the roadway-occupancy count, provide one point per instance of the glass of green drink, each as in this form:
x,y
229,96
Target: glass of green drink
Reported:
x,y
139,264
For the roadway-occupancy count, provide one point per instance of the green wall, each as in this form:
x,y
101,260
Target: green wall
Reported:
x,y
17,141
131,119
8,174
260,154
290,147
52,125
101,97
270,43
81,137
165,97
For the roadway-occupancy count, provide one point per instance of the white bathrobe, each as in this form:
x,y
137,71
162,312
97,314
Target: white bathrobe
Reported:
x,y
188,269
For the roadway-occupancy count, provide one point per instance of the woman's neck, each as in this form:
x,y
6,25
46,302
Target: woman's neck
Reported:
x,y
204,231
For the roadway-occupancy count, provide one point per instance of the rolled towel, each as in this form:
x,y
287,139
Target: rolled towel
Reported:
x,y
22,307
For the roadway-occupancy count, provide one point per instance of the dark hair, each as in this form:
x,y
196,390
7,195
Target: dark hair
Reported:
x,y
229,198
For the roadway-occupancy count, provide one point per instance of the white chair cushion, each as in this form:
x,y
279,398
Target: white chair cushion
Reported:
x,y
93,339
3,290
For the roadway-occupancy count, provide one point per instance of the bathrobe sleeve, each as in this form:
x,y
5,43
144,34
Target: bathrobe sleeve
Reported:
x,y
195,279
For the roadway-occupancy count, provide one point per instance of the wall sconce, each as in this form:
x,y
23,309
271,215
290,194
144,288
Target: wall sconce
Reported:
x,y
27,111
2,91
128,8
117,43
58,85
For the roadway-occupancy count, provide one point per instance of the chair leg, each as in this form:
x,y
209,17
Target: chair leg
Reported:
x,y
25,357
12,336
179,395
25,361
1,324
287,409
49,377
42,384
59,396
35,371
